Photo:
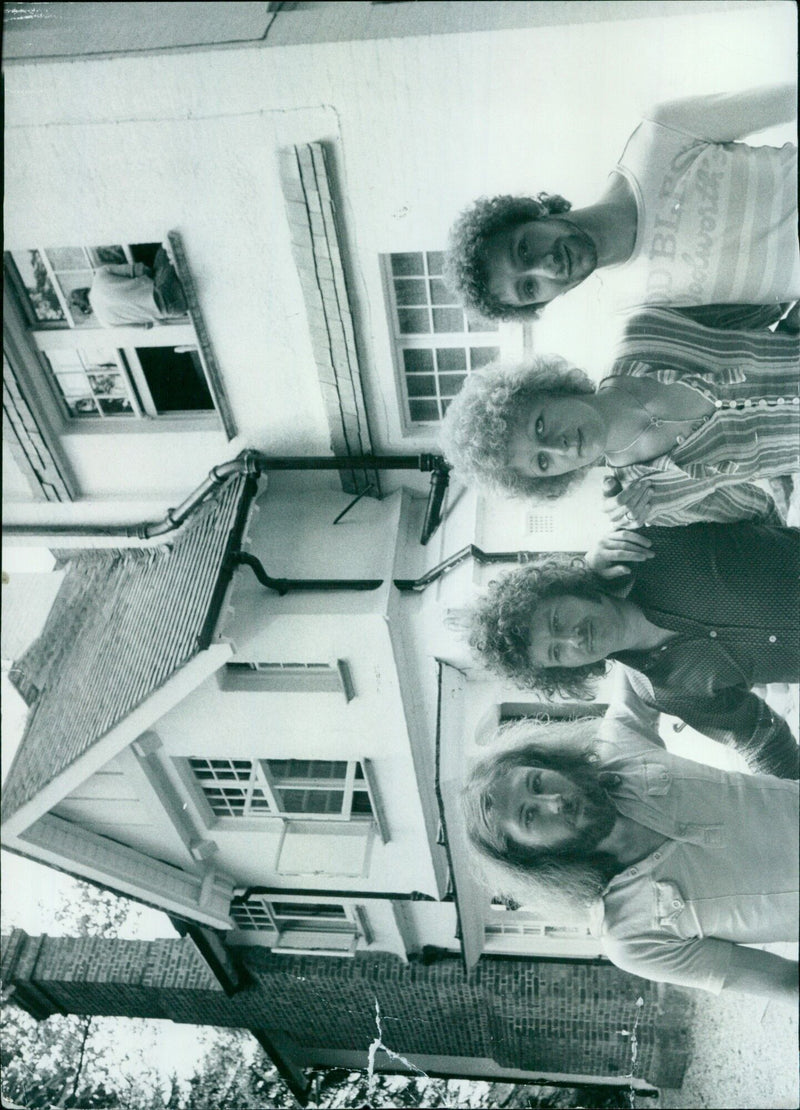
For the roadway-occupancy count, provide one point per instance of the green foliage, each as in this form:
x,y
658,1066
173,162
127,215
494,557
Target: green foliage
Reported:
x,y
63,1061
225,1079
95,913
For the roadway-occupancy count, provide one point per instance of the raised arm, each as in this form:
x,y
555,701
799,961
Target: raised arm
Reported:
x,y
612,555
723,117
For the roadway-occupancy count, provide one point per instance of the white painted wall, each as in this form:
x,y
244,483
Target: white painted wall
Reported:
x,y
127,147
372,726
119,803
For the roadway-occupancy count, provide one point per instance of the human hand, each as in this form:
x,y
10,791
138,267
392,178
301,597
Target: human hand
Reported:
x,y
629,507
609,556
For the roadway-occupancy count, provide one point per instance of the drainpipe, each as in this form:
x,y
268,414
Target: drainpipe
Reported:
x,y
417,585
254,463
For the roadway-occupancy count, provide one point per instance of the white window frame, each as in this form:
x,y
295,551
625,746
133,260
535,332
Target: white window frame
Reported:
x,y
177,332
516,932
117,342
462,340
245,676
55,281
263,782
298,933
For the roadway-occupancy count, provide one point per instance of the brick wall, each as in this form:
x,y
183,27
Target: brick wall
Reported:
x,y
536,1015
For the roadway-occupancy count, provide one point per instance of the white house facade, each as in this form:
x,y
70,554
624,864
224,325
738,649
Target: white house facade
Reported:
x,y
279,764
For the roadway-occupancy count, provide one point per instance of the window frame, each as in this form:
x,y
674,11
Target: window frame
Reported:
x,y
44,336
518,932
277,928
262,778
250,676
505,337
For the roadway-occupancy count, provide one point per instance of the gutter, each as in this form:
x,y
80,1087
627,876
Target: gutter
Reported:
x,y
253,463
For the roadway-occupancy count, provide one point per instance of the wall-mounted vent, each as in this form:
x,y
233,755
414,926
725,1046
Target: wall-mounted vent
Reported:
x,y
539,524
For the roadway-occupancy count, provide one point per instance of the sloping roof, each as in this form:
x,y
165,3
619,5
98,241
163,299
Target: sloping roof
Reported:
x,y
123,622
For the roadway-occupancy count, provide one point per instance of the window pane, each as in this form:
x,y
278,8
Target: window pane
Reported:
x,y
361,803
435,262
308,909
448,319
115,406
77,394
327,769
225,801
310,801
449,384
176,380
65,360
451,358
421,385
73,386
481,356
41,294
418,359
404,265
423,410
413,321
440,294
74,279
145,252
83,406
307,768
107,385
410,291
68,258
221,768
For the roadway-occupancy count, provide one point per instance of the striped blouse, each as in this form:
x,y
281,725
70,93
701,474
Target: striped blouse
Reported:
x,y
753,380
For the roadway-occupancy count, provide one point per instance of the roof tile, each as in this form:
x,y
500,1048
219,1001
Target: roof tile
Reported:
x,y
124,621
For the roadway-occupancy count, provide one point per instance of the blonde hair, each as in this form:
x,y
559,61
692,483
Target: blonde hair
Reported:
x,y
561,882
483,416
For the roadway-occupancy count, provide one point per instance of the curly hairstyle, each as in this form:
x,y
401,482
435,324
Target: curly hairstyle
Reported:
x,y
565,746
499,624
491,404
465,269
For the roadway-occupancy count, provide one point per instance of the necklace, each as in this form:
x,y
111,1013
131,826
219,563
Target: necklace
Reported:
x,y
654,422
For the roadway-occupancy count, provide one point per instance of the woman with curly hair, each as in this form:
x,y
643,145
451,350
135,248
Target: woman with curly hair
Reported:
x,y
688,418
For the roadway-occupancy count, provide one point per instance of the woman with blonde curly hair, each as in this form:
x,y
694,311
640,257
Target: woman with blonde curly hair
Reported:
x,y
688,418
